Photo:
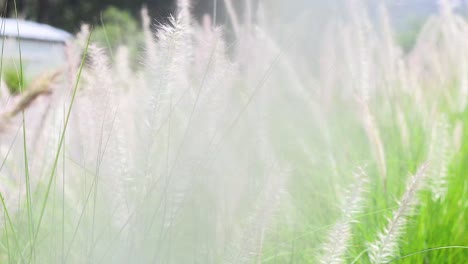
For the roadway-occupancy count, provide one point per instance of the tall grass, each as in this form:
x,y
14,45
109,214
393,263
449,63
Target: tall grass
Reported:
x,y
217,152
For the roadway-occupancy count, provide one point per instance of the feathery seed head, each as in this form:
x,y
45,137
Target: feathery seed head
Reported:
x,y
385,247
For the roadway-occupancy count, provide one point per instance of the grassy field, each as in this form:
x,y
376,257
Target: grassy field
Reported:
x,y
255,151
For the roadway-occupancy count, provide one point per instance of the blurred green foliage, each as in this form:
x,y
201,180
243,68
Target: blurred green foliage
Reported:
x,y
407,38
14,80
118,27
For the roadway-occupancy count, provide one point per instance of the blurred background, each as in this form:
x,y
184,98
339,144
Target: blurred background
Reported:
x,y
407,15
118,22
69,14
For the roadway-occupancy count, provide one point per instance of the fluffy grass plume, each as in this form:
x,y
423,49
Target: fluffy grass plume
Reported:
x,y
338,238
386,246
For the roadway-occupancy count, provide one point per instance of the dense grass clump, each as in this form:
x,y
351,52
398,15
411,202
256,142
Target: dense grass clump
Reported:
x,y
253,151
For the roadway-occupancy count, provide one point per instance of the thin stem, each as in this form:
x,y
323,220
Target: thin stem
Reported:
x,y
426,250
62,137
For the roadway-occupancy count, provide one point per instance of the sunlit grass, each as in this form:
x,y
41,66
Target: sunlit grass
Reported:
x,y
215,152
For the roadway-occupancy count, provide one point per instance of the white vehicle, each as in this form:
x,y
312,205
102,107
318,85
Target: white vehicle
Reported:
x,y
43,47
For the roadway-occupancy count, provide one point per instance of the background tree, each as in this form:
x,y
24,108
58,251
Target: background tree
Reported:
x,y
69,14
